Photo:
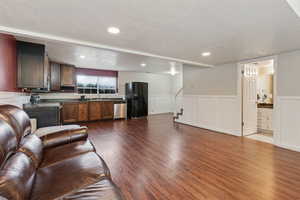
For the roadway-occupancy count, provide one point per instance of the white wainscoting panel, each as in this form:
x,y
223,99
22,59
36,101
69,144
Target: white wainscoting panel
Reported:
x,y
287,131
217,113
14,98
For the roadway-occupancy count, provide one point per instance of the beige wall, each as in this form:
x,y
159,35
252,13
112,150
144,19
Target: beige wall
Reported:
x,y
177,81
288,74
158,84
160,97
219,80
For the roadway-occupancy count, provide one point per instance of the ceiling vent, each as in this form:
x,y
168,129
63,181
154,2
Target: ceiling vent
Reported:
x,y
295,5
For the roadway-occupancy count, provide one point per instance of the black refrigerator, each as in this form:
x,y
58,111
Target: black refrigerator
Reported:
x,y
137,99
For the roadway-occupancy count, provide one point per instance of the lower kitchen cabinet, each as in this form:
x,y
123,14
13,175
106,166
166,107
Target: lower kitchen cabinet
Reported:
x,y
83,112
107,108
70,113
95,109
87,111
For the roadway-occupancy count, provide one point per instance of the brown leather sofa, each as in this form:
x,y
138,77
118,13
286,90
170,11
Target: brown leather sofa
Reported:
x,y
63,165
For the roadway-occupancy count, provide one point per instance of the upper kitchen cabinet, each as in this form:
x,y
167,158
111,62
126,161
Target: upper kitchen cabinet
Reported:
x,y
33,67
55,76
67,75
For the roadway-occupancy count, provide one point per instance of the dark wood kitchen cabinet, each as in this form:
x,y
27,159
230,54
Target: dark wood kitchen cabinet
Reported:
x,y
107,110
54,76
73,112
33,69
70,113
95,110
67,76
83,112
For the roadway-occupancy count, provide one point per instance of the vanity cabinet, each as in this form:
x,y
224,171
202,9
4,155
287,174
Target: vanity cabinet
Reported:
x,y
265,119
33,67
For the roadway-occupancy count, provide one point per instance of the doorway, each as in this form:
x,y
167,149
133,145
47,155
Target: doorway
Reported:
x,y
257,84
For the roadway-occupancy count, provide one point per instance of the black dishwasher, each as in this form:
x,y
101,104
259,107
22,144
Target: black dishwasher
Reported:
x,y
46,114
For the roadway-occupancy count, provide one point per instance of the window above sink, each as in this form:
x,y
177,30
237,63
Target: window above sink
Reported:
x,y
87,84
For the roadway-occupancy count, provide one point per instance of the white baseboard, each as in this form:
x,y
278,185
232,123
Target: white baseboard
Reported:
x,y
290,147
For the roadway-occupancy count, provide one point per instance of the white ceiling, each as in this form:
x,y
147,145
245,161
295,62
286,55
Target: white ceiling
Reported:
x,y
232,30
96,58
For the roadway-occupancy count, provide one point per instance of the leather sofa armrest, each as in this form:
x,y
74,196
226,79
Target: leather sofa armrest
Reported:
x,y
64,137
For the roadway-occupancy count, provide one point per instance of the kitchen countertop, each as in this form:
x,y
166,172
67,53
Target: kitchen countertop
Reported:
x,y
78,100
58,102
41,105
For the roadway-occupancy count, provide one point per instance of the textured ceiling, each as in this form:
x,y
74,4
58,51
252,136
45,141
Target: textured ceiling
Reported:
x,y
232,30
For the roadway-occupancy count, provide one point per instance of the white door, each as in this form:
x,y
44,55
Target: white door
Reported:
x,y
249,99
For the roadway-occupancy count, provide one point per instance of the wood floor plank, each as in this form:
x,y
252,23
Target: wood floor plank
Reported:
x,y
154,159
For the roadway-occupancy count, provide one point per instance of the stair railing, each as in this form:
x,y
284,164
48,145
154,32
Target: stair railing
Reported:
x,y
178,110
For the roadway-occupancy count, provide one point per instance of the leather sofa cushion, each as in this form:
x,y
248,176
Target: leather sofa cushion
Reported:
x,y
64,137
32,146
8,141
102,190
17,119
63,152
67,176
17,177
53,129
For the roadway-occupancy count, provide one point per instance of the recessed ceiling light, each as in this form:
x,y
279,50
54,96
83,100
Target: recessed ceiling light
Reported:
x,y
295,5
113,30
143,64
205,54
82,56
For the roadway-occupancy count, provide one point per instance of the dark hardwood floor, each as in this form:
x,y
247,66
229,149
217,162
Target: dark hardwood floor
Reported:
x,y
156,159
